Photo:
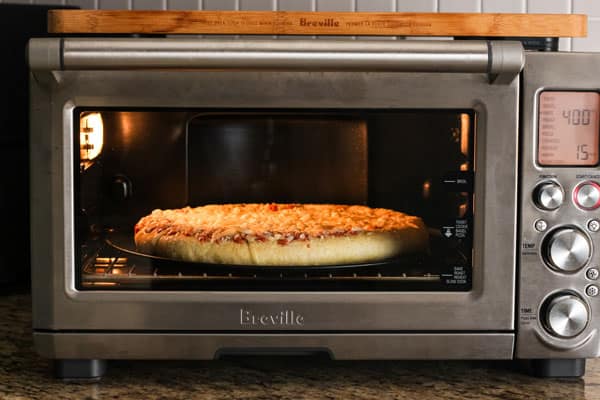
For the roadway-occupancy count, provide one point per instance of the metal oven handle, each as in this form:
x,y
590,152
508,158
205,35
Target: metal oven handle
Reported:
x,y
502,60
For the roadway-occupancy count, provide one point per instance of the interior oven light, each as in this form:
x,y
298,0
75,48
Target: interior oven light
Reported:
x,y
91,136
465,129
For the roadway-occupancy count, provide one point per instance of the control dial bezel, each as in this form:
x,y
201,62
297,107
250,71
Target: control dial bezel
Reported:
x,y
539,190
546,248
554,300
578,188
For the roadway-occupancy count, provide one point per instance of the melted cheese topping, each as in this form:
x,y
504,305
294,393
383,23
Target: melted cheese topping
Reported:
x,y
281,222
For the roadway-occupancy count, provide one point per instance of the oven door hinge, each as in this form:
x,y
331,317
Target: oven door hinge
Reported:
x,y
505,61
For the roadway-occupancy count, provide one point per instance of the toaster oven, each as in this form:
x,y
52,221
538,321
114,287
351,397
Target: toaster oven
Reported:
x,y
495,148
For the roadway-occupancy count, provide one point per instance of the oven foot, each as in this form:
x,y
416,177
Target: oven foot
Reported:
x,y
79,369
556,368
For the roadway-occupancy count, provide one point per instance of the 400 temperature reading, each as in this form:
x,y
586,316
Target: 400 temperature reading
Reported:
x,y
578,116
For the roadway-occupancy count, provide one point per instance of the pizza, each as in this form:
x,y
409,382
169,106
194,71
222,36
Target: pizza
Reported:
x,y
280,234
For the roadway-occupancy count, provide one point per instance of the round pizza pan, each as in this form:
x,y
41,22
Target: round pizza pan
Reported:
x,y
125,244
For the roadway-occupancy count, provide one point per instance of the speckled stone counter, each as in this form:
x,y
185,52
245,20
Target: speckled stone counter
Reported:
x,y
24,375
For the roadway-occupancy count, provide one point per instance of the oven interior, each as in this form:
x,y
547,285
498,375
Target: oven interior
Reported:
x,y
133,161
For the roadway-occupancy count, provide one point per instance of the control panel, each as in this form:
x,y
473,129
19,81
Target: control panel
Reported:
x,y
558,309
560,245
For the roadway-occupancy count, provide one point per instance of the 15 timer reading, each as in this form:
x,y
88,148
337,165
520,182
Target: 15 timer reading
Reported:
x,y
568,132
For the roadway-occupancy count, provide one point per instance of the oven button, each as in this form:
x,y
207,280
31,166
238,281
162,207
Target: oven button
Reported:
x,y
593,225
587,195
540,225
592,290
566,315
567,249
548,196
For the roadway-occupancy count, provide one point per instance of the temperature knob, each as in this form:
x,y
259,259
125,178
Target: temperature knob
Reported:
x,y
565,315
567,249
548,196
587,195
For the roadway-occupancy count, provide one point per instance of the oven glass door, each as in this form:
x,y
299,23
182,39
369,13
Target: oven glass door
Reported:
x,y
132,161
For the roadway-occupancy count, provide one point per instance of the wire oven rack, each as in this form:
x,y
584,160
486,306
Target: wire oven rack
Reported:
x,y
105,266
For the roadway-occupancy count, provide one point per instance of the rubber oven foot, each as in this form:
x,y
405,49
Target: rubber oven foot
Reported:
x,y
556,368
79,369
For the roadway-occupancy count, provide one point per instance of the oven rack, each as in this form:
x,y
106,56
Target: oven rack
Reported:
x,y
119,269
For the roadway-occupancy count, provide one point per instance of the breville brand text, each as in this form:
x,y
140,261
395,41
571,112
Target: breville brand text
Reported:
x,y
327,22
283,318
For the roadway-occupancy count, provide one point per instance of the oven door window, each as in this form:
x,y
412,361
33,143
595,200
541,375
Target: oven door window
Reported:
x,y
132,162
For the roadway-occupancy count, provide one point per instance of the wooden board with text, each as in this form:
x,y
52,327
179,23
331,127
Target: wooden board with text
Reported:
x,y
315,23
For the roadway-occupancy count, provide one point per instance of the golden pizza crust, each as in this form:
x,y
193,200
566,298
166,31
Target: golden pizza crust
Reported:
x,y
280,234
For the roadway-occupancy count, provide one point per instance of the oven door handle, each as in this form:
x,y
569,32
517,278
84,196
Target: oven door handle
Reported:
x,y
501,60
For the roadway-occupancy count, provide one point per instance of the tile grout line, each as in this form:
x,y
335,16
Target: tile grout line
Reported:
x,y
570,40
274,7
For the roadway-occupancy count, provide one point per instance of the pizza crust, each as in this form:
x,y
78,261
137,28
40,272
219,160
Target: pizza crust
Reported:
x,y
213,239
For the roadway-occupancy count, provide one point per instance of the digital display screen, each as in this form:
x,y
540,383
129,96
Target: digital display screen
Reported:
x,y
568,130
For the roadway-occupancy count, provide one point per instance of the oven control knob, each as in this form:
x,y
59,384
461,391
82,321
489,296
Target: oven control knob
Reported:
x,y
587,195
548,196
567,249
565,315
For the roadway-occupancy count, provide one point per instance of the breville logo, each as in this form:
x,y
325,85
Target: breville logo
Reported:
x,y
282,318
327,22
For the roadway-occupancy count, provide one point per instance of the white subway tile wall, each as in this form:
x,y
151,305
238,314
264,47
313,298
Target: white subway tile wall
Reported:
x,y
549,6
417,5
149,4
375,5
184,4
114,4
459,6
589,7
336,5
258,5
83,3
221,5
504,6
296,5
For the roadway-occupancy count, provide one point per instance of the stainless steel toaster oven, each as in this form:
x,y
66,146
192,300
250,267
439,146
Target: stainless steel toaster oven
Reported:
x,y
495,148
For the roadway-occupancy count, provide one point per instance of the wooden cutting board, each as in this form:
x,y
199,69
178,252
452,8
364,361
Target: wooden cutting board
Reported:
x,y
315,23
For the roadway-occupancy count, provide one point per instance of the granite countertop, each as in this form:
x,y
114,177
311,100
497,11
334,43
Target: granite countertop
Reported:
x,y
24,375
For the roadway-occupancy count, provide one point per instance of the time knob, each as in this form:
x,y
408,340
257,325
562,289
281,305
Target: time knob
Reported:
x,y
565,315
567,249
548,196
